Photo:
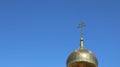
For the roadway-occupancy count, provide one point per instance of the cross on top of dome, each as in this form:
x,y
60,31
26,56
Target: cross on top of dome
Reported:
x,y
81,25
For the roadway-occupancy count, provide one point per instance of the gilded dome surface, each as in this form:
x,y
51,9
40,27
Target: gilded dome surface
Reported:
x,y
82,55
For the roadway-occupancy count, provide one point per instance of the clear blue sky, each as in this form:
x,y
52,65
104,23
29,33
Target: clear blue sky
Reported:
x,y
42,33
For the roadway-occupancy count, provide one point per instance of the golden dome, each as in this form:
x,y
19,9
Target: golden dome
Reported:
x,y
82,58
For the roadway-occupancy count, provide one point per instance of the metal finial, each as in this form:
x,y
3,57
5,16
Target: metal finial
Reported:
x,y
81,25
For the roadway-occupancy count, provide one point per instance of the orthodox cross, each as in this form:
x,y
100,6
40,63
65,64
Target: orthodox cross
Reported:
x,y
81,25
